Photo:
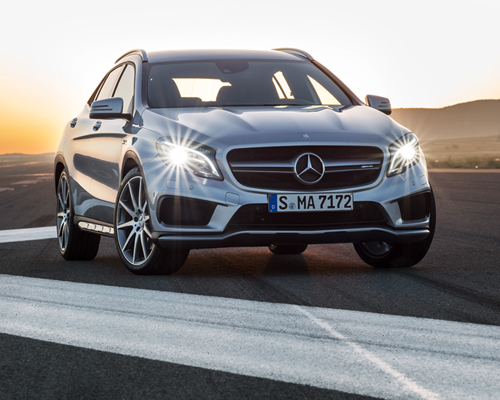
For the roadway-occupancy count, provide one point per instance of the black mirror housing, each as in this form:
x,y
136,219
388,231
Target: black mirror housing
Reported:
x,y
111,108
382,104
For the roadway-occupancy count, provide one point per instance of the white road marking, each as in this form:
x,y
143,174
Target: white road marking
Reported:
x,y
356,352
29,182
24,235
408,383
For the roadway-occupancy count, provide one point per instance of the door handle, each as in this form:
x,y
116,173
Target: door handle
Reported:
x,y
73,122
97,125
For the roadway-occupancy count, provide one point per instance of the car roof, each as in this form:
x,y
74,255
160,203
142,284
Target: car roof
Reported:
x,y
205,55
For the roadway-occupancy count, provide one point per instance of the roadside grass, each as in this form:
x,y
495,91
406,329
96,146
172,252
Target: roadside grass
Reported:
x,y
482,152
470,162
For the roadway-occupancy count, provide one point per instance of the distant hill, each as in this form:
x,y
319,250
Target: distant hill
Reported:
x,y
465,120
11,159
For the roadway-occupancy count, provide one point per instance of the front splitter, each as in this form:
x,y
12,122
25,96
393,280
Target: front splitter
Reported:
x,y
265,238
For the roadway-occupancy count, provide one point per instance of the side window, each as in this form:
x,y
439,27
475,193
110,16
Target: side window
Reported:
x,y
125,88
107,88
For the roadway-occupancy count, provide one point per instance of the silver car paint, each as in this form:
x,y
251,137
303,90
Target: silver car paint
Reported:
x,y
224,129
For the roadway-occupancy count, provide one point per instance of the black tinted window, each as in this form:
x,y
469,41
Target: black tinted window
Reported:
x,y
125,88
106,90
240,83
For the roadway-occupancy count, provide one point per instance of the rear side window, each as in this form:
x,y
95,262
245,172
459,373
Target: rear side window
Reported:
x,y
125,88
107,87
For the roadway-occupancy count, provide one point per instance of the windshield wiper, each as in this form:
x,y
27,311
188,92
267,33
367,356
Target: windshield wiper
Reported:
x,y
262,105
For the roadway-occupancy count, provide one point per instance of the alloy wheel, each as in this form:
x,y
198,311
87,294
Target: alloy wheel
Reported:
x,y
133,223
63,213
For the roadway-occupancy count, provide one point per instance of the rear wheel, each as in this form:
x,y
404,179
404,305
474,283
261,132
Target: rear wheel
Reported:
x,y
287,248
387,255
74,244
133,232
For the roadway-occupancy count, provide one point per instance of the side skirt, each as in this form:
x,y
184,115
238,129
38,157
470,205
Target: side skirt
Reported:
x,y
94,226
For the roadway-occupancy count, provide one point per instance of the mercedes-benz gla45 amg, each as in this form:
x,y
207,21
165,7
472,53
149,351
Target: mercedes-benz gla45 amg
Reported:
x,y
180,150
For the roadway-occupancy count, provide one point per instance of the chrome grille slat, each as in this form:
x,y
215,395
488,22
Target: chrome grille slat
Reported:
x,y
274,168
262,164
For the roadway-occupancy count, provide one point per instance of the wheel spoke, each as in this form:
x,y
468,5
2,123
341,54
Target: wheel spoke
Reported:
x,y
146,229
125,224
61,229
136,244
132,196
127,209
63,188
61,214
124,247
66,194
61,201
61,240
140,192
143,244
66,235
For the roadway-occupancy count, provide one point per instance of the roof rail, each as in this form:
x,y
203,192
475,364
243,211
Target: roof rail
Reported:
x,y
141,52
296,52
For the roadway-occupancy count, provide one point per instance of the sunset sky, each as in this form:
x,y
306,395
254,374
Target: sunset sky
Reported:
x,y
417,53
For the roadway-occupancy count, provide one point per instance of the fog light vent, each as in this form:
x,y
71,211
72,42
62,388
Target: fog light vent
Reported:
x,y
185,211
415,207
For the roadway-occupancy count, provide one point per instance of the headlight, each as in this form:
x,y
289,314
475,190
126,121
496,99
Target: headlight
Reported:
x,y
193,157
405,153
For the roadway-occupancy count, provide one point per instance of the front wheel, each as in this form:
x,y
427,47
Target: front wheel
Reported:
x,y
387,255
133,232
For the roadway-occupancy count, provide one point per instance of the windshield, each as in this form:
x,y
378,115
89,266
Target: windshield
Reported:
x,y
241,83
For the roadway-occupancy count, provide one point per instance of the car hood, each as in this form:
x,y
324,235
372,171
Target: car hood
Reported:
x,y
290,125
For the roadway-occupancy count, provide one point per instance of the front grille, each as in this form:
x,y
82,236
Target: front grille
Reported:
x,y
257,217
274,167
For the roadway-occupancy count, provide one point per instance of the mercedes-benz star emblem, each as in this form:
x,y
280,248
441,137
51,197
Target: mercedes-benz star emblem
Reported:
x,y
309,168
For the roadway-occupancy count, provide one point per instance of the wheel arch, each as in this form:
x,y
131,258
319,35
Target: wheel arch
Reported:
x,y
130,160
59,166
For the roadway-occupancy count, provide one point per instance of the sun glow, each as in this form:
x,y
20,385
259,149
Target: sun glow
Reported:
x,y
205,89
440,65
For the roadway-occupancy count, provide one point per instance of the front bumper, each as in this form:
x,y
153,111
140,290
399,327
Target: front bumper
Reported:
x,y
265,238
228,197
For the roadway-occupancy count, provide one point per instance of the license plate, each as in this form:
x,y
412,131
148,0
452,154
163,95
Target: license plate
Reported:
x,y
310,202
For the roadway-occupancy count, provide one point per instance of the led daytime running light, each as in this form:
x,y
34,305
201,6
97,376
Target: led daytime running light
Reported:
x,y
405,153
195,158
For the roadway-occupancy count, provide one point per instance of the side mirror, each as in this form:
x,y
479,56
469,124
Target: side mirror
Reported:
x,y
379,103
108,109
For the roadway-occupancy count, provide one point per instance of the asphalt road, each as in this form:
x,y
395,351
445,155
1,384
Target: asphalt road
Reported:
x,y
458,281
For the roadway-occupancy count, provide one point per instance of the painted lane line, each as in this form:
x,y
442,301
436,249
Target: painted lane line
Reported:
x,y
382,365
23,235
355,352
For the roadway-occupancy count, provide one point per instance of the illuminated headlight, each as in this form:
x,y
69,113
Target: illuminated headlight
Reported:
x,y
405,153
193,157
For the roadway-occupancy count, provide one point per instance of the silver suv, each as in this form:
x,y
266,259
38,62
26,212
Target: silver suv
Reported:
x,y
180,150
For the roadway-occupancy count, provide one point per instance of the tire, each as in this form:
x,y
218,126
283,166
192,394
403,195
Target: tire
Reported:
x,y
74,244
287,248
386,255
133,232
